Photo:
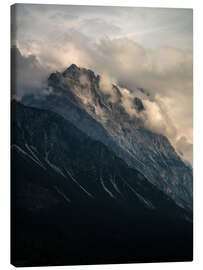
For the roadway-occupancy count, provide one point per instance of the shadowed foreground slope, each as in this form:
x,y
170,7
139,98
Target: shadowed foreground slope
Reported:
x,y
75,202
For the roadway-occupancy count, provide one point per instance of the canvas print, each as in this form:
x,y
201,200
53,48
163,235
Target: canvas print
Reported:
x,y
101,135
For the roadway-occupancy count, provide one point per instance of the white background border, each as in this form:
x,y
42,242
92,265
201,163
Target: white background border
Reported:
x,y
197,5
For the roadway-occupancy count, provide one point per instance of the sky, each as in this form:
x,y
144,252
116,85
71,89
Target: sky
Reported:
x,y
150,48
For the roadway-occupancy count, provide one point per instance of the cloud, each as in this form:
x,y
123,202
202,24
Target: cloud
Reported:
x,y
106,86
185,148
155,119
93,26
127,101
150,27
27,75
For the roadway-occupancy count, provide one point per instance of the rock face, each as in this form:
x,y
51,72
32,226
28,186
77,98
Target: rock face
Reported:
x,y
77,95
75,202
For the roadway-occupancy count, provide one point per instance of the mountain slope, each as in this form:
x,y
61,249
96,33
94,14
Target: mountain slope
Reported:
x,y
75,202
76,94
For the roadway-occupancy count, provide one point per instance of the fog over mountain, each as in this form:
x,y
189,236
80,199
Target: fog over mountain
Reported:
x,y
31,77
134,48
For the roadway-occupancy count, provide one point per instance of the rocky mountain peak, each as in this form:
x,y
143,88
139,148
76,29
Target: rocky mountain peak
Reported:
x,y
86,85
71,69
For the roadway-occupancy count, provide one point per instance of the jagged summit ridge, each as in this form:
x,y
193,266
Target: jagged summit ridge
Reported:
x,y
90,90
72,68
74,76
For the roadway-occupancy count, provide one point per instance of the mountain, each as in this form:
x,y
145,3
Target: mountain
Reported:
x,y
75,202
77,95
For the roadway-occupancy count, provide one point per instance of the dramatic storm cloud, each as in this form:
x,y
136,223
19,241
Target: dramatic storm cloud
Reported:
x,y
132,47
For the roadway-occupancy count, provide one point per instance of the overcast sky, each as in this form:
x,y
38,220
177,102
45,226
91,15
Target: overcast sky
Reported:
x,y
145,47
